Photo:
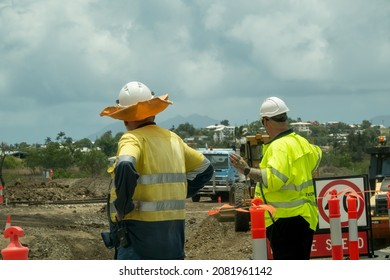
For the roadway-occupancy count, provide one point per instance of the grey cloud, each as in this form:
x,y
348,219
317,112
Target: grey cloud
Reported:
x,y
217,58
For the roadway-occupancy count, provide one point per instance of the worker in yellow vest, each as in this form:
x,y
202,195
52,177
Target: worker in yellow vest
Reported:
x,y
285,181
154,172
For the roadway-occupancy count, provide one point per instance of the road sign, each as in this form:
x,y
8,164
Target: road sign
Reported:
x,y
343,186
322,245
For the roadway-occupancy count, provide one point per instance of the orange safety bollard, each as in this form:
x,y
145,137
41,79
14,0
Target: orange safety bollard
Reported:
x,y
353,228
8,222
335,226
1,194
258,229
15,250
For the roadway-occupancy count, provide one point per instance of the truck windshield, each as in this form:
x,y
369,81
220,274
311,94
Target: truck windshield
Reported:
x,y
386,167
218,161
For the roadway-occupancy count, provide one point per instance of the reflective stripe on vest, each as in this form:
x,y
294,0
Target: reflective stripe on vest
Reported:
x,y
291,204
298,188
291,187
162,178
159,205
153,206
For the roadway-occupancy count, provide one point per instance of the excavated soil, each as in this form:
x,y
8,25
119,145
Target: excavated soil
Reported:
x,y
72,231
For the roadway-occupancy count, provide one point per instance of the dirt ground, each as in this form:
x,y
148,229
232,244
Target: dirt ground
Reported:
x,y
72,232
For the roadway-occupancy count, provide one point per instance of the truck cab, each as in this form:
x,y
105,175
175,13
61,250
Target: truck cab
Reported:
x,y
225,175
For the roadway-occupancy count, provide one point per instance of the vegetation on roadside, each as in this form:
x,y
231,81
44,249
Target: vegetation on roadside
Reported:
x,y
343,150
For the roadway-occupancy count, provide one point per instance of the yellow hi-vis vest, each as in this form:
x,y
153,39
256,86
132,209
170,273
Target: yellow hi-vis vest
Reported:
x,y
162,160
287,184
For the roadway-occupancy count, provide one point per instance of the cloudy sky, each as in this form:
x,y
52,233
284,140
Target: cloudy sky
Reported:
x,y
62,63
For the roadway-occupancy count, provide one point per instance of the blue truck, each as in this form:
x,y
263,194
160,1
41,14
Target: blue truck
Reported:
x,y
225,175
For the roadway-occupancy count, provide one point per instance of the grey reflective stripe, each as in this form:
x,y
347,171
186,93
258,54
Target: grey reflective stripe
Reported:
x,y
298,188
155,206
160,205
353,230
192,174
318,160
264,177
291,204
278,174
123,158
335,235
162,178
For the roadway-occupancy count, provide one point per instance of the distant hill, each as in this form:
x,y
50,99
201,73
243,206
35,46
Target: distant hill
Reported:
x,y
196,120
382,119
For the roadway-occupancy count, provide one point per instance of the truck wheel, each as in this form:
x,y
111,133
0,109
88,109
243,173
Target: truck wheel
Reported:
x,y
196,198
241,219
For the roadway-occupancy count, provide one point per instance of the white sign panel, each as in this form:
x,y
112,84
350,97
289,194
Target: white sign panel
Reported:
x,y
343,186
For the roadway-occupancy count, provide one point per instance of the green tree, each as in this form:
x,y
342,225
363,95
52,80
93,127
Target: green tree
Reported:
x,y
83,143
60,136
55,156
255,127
365,124
185,130
319,135
225,122
33,159
3,154
107,144
93,162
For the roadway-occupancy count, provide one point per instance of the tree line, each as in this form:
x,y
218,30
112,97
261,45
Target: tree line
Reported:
x,y
343,145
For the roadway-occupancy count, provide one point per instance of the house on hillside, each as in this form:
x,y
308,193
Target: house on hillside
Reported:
x,y
221,132
303,127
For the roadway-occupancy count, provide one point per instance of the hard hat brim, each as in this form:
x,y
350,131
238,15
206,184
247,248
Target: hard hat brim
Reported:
x,y
139,111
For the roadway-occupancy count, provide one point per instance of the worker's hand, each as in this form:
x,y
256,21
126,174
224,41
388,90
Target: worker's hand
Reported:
x,y
238,162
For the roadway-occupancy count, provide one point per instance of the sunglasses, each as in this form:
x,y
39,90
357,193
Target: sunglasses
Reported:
x,y
263,120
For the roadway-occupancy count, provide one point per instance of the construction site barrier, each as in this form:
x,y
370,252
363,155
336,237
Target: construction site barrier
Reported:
x,y
335,226
353,243
15,250
258,230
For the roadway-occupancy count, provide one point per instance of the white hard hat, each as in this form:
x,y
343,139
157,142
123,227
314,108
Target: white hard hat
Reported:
x,y
273,106
134,92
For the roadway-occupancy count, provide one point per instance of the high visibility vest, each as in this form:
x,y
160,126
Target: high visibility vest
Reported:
x,y
162,161
287,184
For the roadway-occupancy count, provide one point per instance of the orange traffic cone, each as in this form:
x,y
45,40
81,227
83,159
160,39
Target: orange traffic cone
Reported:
x,y
15,250
8,223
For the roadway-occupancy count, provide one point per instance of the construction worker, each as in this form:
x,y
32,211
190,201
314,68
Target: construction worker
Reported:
x,y
154,172
284,181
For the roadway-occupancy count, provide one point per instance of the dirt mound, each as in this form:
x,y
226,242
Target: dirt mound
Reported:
x,y
59,189
211,239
